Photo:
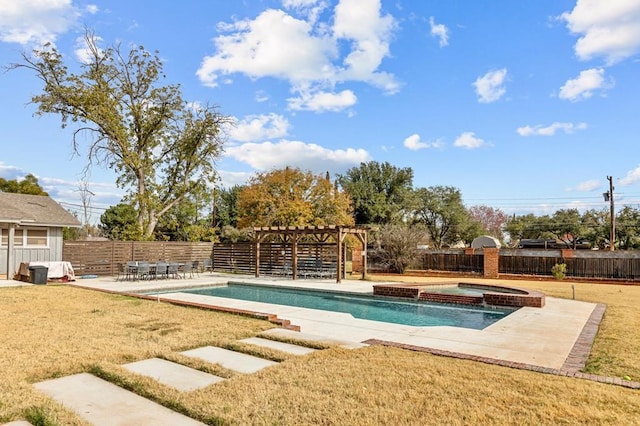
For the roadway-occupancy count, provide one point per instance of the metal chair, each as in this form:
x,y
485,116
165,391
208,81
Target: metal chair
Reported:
x,y
144,270
161,269
187,269
172,270
207,265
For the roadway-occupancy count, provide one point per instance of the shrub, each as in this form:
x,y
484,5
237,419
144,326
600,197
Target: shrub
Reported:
x,y
559,271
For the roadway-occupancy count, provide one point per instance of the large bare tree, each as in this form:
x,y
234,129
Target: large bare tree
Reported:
x,y
161,147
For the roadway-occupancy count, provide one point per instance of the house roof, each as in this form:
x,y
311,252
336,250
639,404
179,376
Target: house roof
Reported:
x,y
35,210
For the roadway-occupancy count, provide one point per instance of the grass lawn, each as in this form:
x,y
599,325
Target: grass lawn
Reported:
x,y
51,331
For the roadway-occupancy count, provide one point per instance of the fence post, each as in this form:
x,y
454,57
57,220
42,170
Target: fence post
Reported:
x,y
491,258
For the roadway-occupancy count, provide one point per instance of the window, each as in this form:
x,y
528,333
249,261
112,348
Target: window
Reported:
x,y
26,237
37,237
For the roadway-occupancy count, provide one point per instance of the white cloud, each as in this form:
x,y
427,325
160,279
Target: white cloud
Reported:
x,y
261,96
632,176
440,31
229,179
323,101
312,56
92,9
35,21
469,140
609,29
414,143
550,130
307,156
309,8
583,86
490,87
259,127
588,186
11,172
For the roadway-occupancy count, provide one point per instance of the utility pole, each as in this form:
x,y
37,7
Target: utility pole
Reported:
x,y
608,196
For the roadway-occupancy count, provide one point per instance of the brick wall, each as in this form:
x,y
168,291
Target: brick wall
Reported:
x,y
491,262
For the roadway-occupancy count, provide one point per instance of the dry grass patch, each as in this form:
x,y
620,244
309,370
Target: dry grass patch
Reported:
x,y
53,331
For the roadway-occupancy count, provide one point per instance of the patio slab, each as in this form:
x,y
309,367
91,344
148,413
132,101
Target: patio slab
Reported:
x,y
280,346
102,403
169,373
236,361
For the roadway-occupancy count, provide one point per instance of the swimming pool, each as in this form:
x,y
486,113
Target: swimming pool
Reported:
x,y
414,313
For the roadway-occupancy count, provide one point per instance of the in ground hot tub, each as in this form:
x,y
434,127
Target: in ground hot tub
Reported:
x,y
464,294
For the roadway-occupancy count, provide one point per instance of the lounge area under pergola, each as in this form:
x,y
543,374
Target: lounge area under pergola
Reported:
x,y
291,236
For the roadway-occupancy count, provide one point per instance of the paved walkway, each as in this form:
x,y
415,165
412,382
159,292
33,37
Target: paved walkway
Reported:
x,y
103,403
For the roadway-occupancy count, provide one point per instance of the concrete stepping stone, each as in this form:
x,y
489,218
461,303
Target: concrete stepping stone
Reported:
x,y
169,373
236,361
296,335
102,403
18,423
281,346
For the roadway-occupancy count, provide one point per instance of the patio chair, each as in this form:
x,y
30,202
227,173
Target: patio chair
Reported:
x,y
143,270
161,269
131,270
196,267
123,273
187,269
172,270
207,265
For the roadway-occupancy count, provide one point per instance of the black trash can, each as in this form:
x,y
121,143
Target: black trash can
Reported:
x,y
38,274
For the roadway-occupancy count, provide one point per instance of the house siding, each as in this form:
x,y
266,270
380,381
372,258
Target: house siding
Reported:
x,y
52,253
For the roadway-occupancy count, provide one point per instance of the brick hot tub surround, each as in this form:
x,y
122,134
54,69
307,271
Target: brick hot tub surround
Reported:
x,y
491,294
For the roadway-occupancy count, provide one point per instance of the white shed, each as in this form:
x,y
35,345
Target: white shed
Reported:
x,y
31,230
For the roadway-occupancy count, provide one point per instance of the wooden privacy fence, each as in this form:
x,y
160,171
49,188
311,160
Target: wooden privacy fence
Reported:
x,y
103,257
595,264
587,264
275,258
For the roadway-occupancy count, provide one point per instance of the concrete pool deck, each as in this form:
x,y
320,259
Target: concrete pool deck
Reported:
x,y
539,337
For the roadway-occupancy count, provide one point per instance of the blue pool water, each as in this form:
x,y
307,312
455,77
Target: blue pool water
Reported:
x,y
374,308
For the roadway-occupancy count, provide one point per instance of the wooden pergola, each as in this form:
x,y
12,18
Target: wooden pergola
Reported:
x,y
291,235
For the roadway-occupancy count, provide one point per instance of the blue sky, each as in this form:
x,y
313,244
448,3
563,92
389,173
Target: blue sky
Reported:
x,y
526,106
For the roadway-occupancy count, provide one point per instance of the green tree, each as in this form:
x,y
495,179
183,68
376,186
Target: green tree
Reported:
x,y
28,185
441,210
292,197
161,147
567,226
226,206
381,193
119,222
628,228
597,225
